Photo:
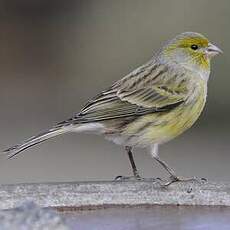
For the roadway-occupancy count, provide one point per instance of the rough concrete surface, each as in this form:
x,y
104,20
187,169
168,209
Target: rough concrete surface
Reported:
x,y
85,194
150,206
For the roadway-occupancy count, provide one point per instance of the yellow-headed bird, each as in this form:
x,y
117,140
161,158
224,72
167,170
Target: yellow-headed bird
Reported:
x,y
151,105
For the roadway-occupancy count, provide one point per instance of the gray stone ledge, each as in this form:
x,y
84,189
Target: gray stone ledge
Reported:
x,y
109,193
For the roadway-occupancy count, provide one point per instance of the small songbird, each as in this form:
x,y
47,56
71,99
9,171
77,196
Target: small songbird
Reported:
x,y
148,107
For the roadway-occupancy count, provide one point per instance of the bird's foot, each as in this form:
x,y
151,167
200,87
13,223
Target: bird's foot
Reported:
x,y
174,179
137,178
129,178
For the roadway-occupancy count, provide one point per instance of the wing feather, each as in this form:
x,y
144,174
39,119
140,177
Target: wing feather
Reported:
x,y
142,92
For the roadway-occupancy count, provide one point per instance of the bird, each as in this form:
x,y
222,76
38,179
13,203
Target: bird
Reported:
x,y
148,107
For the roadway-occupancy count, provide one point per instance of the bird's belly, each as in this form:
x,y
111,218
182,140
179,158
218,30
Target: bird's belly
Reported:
x,y
160,127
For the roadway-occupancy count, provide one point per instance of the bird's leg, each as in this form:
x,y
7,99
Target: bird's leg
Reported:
x,y
136,175
154,153
132,162
173,177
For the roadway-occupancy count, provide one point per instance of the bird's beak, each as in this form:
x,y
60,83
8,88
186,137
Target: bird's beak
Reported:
x,y
213,50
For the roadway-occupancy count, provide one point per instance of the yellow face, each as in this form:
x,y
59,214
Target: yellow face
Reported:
x,y
196,48
191,49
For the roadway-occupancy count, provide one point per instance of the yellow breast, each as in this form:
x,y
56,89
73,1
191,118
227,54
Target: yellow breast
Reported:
x,y
162,127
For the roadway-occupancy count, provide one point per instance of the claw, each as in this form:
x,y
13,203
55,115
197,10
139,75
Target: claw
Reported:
x,y
138,178
117,178
129,178
174,179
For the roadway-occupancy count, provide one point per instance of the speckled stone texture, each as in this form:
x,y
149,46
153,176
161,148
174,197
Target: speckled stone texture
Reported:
x,y
87,194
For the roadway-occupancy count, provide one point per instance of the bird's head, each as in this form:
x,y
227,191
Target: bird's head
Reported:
x,y
190,49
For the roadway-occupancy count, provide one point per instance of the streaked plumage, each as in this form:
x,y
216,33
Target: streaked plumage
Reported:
x,y
151,105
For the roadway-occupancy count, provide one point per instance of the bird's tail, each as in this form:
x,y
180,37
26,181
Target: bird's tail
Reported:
x,y
14,150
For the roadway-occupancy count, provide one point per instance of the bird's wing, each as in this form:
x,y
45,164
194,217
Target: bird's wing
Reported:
x,y
142,92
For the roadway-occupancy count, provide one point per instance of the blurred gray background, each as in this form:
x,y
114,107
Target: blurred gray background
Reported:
x,y
55,55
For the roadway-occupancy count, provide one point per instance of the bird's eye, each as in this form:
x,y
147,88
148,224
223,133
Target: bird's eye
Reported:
x,y
194,47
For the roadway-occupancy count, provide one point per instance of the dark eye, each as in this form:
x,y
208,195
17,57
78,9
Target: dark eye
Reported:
x,y
194,47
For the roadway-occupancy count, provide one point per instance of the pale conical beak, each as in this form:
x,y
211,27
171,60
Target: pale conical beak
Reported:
x,y
213,50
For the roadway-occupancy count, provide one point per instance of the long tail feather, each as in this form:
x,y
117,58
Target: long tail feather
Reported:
x,y
14,150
